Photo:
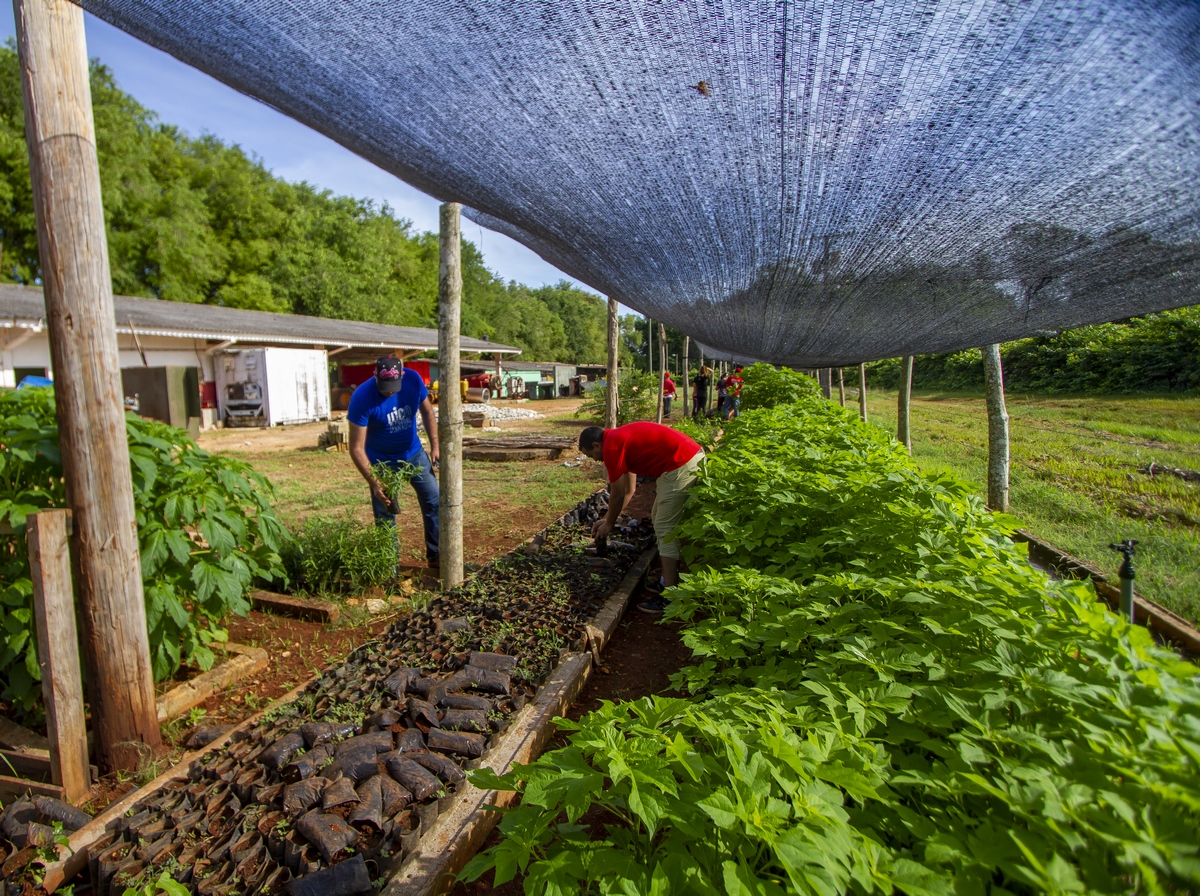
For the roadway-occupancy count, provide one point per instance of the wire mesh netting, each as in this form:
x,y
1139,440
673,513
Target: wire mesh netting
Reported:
x,y
810,183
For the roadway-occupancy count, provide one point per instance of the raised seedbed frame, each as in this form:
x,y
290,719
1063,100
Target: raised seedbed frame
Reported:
x,y
527,733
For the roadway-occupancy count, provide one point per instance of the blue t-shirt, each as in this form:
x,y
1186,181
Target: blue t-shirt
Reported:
x,y
391,420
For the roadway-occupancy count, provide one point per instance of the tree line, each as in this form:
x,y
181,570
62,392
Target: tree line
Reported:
x,y
194,219
1153,353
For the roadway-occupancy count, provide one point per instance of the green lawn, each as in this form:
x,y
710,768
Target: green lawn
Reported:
x,y
1076,479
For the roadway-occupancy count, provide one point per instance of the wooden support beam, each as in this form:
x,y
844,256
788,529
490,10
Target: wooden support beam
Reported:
x,y
903,405
58,652
450,420
825,382
686,374
662,371
997,475
77,287
611,406
841,387
15,737
862,392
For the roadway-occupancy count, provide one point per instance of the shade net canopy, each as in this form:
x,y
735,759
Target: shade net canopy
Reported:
x,y
810,183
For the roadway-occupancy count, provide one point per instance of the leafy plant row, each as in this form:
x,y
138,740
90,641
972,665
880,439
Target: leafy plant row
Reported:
x,y
206,530
886,697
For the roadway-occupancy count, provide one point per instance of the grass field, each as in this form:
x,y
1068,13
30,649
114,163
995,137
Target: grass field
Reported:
x,y
1077,475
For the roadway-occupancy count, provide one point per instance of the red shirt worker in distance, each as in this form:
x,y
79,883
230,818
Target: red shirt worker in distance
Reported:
x,y
646,449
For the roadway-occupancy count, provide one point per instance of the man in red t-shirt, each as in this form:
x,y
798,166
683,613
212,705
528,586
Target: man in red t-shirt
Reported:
x,y
646,449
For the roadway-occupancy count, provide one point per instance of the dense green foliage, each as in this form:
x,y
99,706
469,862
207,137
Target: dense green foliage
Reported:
x,y
1155,353
206,530
887,697
197,220
637,398
341,556
765,386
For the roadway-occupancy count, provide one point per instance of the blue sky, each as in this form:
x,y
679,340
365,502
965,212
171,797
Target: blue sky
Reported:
x,y
199,104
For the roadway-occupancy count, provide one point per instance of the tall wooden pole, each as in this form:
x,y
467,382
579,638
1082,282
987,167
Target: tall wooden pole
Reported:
x,y
841,387
77,287
862,392
993,376
662,370
650,345
450,520
903,403
823,378
687,344
611,407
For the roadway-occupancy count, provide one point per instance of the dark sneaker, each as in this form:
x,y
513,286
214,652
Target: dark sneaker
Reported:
x,y
653,587
654,606
433,560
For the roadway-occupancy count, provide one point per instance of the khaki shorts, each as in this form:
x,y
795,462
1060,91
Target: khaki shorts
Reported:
x,y
668,504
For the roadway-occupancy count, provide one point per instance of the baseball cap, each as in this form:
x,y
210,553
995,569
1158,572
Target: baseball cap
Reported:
x,y
389,374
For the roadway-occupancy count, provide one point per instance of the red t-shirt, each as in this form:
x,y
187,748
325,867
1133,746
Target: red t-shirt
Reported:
x,y
733,385
645,449
669,388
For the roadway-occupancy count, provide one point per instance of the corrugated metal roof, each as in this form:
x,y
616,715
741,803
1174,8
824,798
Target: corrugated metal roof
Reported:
x,y
153,317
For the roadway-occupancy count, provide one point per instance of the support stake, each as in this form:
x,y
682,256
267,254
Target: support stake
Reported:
x,y
450,423
662,370
611,399
904,402
58,652
77,286
998,448
862,392
686,375
841,387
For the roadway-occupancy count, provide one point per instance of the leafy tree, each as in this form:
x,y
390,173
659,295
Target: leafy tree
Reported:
x,y
198,220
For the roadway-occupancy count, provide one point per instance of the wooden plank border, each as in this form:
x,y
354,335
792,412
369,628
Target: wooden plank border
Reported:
x,y
246,661
461,831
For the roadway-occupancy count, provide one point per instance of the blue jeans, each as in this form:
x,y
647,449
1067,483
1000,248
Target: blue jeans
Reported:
x,y
425,484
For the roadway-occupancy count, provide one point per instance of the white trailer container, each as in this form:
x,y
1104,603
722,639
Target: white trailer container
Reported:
x,y
272,386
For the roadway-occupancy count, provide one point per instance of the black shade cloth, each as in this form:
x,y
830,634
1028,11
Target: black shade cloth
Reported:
x,y
808,183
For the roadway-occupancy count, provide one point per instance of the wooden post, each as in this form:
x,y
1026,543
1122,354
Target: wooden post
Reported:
x,y
904,401
687,344
58,651
77,287
841,387
450,423
497,354
823,378
650,345
662,370
611,406
993,375
862,392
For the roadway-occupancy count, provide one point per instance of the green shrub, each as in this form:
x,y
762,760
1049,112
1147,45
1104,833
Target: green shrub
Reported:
x,y
637,398
1155,353
341,556
886,697
765,386
206,531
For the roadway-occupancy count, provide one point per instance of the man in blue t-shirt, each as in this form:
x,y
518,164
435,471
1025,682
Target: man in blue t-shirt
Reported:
x,y
383,429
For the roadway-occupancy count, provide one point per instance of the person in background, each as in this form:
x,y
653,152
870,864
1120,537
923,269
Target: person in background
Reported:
x,y
647,449
722,395
700,384
383,430
668,393
733,393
